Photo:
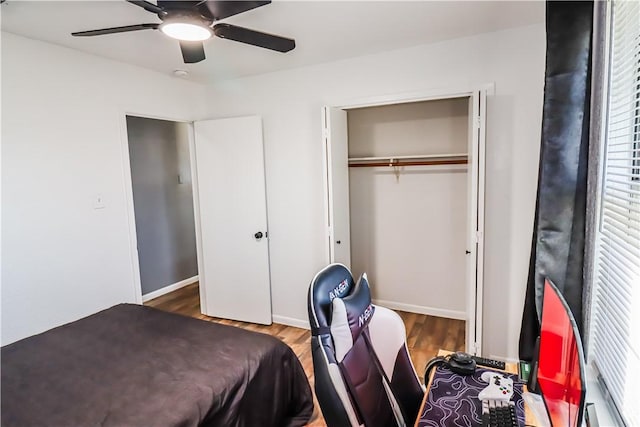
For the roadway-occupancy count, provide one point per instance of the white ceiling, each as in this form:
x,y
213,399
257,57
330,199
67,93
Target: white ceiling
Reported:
x,y
324,30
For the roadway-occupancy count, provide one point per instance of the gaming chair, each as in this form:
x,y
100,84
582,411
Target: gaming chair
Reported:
x,y
363,373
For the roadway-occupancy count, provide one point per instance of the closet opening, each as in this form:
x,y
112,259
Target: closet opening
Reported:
x,y
405,194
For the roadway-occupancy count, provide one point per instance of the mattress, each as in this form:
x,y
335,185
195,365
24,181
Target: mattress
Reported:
x,y
131,365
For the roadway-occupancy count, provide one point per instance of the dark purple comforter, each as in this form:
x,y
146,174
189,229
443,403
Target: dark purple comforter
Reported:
x,y
138,366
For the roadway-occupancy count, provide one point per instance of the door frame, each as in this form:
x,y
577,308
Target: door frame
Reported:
x,y
195,188
474,285
128,193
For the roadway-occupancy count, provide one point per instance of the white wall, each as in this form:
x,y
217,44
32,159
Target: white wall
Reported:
x,y
62,123
428,127
409,231
290,103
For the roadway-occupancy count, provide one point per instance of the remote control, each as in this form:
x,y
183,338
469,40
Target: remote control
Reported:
x,y
489,363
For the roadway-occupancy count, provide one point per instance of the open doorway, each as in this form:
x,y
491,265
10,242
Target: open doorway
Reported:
x,y
405,201
161,179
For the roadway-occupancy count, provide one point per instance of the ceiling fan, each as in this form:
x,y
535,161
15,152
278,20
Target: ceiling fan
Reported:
x,y
192,22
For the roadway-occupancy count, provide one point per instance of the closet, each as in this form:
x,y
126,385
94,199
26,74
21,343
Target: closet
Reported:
x,y
405,201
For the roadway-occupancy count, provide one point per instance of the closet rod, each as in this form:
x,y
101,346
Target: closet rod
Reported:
x,y
412,157
394,162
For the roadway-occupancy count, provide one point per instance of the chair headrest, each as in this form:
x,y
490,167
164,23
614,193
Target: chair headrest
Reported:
x,y
334,281
350,315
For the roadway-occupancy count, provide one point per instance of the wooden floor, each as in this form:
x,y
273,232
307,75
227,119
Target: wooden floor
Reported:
x,y
425,334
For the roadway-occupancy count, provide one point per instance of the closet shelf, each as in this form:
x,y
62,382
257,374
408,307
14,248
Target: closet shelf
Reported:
x,y
415,160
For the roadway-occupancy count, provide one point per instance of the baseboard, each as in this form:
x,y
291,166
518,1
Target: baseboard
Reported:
x,y
290,321
450,314
169,288
438,312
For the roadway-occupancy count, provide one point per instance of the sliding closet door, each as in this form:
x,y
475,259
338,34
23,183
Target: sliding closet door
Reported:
x,y
234,249
337,180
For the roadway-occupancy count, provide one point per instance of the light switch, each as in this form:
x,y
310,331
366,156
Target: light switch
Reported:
x,y
98,202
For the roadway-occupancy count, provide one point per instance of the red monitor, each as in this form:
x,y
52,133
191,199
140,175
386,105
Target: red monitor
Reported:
x,y
560,361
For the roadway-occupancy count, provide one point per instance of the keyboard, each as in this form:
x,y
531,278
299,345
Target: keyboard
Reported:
x,y
499,413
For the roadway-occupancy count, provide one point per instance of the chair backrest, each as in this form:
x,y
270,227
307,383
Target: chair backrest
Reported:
x,y
363,373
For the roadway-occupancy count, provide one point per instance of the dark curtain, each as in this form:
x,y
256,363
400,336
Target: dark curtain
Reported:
x,y
559,227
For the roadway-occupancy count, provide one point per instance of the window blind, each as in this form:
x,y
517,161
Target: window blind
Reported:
x,y
615,340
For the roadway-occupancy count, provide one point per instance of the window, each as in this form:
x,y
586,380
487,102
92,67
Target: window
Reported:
x,y
615,340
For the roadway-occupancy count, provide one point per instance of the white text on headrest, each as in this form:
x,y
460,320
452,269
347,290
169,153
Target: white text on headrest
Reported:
x,y
365,315
338,290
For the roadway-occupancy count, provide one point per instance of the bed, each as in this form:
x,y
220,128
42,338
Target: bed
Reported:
x,y
131,365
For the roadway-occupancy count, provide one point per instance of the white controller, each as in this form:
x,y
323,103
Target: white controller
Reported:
x,y
499,388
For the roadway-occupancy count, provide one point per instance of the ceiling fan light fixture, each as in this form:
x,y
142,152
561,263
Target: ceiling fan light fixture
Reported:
x,y
186,31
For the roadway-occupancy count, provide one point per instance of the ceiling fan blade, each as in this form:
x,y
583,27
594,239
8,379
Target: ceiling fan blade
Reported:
x,y
115,30
167,5
147,6
255,38
192,52
219,9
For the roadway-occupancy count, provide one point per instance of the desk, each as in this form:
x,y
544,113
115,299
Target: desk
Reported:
x,y
511,368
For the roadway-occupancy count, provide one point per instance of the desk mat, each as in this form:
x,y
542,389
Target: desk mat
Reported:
x,y
453,399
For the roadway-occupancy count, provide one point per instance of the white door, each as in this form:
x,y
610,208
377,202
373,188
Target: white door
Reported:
x,y
475,245
337,181
234,248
